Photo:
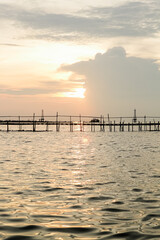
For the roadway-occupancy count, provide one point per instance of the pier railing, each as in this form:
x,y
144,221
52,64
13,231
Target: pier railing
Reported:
x,y
79,123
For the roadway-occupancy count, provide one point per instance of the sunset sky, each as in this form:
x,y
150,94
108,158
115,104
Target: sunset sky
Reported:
x,y
76,56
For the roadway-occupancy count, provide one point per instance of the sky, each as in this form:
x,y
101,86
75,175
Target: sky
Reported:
x,y
80,57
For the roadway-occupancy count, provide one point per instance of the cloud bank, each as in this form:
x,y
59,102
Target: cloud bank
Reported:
x,y
117,82
133,19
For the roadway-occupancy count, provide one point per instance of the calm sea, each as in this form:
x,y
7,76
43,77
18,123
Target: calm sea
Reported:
x,y
79,185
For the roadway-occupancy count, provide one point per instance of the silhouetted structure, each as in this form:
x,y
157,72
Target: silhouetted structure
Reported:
x,y
135,117
79,123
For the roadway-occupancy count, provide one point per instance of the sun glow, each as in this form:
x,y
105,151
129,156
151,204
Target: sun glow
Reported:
x,y
76,93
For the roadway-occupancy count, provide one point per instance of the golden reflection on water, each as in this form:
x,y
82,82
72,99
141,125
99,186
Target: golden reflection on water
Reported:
x,y
79,185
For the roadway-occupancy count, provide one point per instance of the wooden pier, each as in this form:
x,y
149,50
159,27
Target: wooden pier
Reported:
x,y
79,123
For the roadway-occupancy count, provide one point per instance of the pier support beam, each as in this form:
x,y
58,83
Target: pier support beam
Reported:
x,y
101,124
47,127
20,125
57,123
71,124
128,127
114,125
92,127
34,123
7,126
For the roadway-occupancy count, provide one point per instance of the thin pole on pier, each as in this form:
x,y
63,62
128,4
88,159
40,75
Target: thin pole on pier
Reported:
x,y
71,124
108,118
34,123
128,127
92,126
80,123
132,126
7,126
46,126
20,126
103,125
114,125
120,126
57,123
145,126
123,126
109,122
154,126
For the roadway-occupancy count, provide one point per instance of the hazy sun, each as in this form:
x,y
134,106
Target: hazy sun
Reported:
x,y
76,93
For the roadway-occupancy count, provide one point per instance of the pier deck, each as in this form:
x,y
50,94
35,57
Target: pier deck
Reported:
x,y
79,123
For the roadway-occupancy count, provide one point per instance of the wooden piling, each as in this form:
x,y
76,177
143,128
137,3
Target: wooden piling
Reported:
x,y
110,127
20,126
123,127
57,123
80,123
103,125
34,123
114,126
93,128
7,126
132,127
128,127
47,127
71,124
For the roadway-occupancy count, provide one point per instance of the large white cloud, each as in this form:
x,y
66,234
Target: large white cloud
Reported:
x,y
116,83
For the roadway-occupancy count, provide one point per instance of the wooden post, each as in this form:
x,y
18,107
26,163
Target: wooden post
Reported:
x,y
123,127
47,126
93,127
150,126
80,123
20,126
71,124
110,126
145,125
103,125
7,126
120,126
114,126
158,126
34,123
139,126
128,127
57,123
91,124
132,127
83,126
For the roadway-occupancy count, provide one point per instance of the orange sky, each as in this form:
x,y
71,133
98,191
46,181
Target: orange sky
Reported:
x,y
54,56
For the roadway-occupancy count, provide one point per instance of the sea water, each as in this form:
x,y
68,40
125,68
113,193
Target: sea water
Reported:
x,y
79,185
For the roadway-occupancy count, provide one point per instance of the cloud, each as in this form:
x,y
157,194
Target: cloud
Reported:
x,y
130,19
44,87
115,82
10,45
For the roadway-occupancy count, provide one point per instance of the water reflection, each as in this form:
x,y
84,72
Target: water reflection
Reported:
x,y
79,186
